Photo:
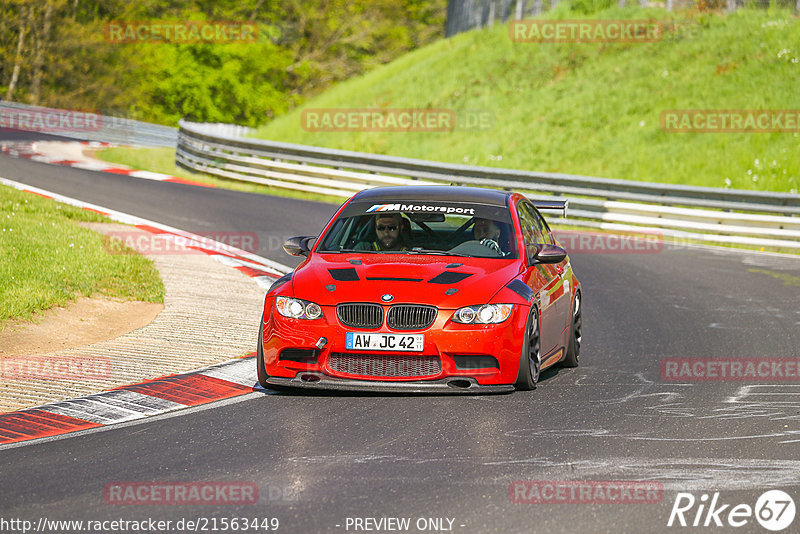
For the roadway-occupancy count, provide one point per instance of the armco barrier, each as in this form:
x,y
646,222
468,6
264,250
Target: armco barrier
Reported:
x,y
683,212
100,128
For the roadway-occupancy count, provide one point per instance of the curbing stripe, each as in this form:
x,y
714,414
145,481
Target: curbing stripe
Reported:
x,y
113,407
128,403
92,410
149,175
190,390
249,271
239,372
35,423
133,401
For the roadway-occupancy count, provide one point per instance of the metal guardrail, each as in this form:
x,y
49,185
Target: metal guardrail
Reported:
x,y
85,125
684,212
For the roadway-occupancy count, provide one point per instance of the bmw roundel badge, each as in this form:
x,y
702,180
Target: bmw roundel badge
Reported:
x,y
387,297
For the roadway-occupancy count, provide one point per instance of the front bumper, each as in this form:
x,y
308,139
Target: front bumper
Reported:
x,y
444,339
454,385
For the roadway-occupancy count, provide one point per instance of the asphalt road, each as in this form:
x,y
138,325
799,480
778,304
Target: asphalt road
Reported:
x,y
319,459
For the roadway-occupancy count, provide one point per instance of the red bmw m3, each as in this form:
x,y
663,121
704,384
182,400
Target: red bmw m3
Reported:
x,y
424,288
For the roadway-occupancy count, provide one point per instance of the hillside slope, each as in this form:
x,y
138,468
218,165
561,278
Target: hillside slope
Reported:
x,y
590,109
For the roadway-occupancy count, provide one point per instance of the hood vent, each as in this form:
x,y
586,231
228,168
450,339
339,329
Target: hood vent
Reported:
x,y
347,274
449,277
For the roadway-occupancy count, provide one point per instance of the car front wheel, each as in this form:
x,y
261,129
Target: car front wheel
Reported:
x,y
530,362
262,373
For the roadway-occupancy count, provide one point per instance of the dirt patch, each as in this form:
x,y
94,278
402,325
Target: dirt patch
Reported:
x,y
86,321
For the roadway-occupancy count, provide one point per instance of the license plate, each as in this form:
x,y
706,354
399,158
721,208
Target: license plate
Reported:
x,y
393,342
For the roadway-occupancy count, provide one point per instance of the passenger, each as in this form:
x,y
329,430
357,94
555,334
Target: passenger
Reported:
x,y
388,229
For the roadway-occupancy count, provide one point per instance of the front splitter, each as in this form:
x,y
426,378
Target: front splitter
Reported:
x,y
457,386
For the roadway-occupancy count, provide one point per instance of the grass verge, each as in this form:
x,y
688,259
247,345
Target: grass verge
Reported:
x,y
47,260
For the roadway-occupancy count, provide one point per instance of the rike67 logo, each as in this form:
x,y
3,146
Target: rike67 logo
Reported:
x,y
774,510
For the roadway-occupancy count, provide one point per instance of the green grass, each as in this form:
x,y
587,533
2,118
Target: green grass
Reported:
x,y
47,260
163,160
591,109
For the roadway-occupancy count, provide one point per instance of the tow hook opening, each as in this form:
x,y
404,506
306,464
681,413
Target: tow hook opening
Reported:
x,y
459,383
309,378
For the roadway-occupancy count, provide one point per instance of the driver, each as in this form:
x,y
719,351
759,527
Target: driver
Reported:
x,y
388,229
487,232
485,229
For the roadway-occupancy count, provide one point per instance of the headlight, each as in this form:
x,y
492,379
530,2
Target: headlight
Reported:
x,y
483,314
297,308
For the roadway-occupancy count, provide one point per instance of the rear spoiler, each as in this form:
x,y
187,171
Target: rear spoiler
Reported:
x,y
552,205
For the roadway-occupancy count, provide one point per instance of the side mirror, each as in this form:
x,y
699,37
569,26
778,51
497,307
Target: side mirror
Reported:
x,y
298,246
545,253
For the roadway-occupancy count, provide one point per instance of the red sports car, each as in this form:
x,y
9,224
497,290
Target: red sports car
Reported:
x,y
429,288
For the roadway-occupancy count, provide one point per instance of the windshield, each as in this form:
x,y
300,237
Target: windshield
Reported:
x,y
432,228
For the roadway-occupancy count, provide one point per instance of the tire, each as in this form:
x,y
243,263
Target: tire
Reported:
x,y
530,361
574,344
262,373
